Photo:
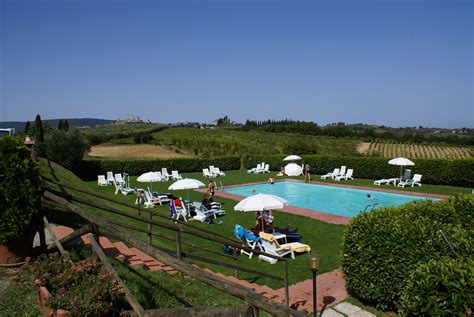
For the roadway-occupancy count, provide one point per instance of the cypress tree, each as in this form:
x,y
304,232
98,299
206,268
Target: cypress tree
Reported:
x,y
39,133
60,125
66,125
27,127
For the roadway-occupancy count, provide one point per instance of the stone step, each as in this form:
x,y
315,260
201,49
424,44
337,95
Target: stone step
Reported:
x,y
143,256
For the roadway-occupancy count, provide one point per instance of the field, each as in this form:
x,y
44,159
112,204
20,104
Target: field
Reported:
x,y
133,151
215,143
415,151
211,143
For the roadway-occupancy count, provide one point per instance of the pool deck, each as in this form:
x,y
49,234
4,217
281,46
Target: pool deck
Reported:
x,y
319,215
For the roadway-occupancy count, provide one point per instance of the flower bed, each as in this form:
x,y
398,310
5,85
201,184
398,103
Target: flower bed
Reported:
x,y
82,287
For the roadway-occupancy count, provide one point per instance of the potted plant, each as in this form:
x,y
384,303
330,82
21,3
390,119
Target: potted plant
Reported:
x,y
20,202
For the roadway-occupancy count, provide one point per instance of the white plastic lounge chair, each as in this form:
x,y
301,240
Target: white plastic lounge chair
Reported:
x,y
270,247
383,181
347,176
250,239
162,178
253,170
342,172
120,188
297,247
119,179
101,180
261,169
164,173
178,212
266,169
331,175
406,175
217,171
176,175
207,173
411,182
110,177
201,209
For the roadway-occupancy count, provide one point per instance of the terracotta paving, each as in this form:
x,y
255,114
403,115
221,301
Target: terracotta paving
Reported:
x,y
331,286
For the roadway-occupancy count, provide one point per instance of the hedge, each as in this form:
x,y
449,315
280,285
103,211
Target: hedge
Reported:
x,y
381,248
442,172
440,287
93,167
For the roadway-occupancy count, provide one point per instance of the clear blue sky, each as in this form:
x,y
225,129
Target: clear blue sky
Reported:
x,y
398,63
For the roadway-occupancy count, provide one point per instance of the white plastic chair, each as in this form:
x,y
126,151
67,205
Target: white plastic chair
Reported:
x,y
110,177
176,175
347,176
101,181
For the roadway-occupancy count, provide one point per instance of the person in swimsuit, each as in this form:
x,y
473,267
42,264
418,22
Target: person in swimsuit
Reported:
x,y
211,188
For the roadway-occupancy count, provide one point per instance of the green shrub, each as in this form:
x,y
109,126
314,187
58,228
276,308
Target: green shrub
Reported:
x,y
83,287
443,172
440,287
381,248
91,168
66,148
19,190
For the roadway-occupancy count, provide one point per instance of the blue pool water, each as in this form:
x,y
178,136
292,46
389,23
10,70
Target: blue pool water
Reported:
x,y
330,199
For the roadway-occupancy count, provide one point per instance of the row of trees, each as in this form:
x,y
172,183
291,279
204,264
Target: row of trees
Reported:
x,y
341,130
38,129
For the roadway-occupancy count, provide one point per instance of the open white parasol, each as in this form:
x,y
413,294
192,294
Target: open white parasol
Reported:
x,y
292,158
187,183
401,161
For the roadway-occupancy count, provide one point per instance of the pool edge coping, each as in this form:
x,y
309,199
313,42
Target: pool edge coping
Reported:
x,y
316,214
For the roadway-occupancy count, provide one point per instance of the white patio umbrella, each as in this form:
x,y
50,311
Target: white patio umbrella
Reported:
x,y
292,158
149,177
261,202
293,169
401,161
187,183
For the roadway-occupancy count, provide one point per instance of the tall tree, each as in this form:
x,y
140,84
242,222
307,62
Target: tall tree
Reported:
x,y
27,127
66,125
39,133
60,125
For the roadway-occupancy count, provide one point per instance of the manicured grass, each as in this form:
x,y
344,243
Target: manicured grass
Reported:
x,y
155,290
322,237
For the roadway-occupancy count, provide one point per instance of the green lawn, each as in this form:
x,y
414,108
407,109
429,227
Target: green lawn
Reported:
x,y
322,237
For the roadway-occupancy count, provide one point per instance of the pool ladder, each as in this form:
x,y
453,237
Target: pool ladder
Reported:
x,y
222,186
370,206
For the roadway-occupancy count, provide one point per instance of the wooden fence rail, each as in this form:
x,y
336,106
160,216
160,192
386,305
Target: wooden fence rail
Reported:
x,y
236,290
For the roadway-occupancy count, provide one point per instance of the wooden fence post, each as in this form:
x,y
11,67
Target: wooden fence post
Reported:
x,y
150,217
287,290
178,244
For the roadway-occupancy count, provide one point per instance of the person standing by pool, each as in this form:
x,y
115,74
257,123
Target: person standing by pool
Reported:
x,y
307,175
211,188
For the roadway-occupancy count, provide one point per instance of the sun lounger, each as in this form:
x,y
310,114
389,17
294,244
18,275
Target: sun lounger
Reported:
x,y
101,181
347,176
297,247
110,178
207,173
176,176
253,170
331,175
250,239
217,171
411,182
119,179
164,173
177,212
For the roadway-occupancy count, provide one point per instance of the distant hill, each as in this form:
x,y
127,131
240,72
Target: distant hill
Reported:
x,y
73,123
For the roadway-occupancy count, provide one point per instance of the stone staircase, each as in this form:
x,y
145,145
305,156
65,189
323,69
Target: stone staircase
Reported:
x,y
330,286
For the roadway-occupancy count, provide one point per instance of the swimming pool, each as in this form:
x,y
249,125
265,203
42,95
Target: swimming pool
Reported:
x,y
340,201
